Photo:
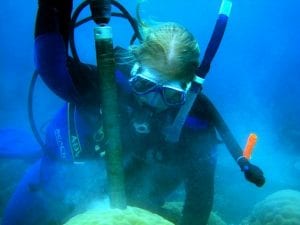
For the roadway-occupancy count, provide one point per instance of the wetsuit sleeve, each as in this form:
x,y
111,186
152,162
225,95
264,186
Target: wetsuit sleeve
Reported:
x,y
201,157
222,128
51,38
199,179
50,60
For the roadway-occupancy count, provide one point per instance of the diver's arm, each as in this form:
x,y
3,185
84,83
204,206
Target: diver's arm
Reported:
x,y
222,128
199,168
252,172
51,37
53,16
199,199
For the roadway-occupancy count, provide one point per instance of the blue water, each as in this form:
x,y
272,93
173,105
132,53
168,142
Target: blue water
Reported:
x,y
253,82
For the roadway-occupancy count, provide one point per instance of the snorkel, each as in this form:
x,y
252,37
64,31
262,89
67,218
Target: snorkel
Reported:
x,y
236,152
172,132
215,40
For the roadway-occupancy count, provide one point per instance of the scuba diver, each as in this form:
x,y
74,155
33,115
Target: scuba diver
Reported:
x,y
155,80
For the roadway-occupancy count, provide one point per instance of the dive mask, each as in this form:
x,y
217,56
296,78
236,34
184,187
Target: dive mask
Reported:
x,y
145,81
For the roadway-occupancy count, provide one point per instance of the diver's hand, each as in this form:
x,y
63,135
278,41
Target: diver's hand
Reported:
x,y
101,11
252,173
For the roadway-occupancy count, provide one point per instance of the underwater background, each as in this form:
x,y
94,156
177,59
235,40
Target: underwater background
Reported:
x,y
253,81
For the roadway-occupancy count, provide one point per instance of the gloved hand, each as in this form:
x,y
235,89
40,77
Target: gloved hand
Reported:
x,y
101,11
252,173
54,16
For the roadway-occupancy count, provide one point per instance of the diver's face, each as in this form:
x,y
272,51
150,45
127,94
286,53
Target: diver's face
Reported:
x,y
152,89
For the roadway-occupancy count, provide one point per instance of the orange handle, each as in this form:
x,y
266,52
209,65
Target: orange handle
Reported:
x,y
250,146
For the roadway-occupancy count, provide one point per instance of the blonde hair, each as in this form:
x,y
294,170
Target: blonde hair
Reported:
x,y
169,48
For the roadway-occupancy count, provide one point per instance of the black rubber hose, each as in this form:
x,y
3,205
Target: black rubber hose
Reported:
x,y
124,14
30,110
72,29
130,19
87,19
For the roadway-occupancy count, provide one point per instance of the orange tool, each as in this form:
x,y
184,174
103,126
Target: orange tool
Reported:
x,y
247,153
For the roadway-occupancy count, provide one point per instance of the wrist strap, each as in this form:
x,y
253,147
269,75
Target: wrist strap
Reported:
x,y
244,166
239,158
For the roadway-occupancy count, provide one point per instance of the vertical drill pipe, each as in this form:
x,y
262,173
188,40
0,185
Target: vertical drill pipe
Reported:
x,y
109,107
